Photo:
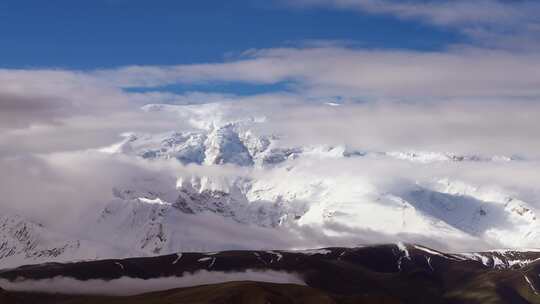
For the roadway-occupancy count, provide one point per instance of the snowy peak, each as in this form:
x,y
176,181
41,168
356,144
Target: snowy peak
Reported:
x,y
233,144
138,224
223,146
227,133
227,144
24,241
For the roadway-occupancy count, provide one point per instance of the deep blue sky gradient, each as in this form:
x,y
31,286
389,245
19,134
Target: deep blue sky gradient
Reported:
x,y
77,34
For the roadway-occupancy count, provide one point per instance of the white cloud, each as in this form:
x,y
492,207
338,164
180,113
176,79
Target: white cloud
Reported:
x,y
496,127
94,105
466,72
30,97
132,286
494,23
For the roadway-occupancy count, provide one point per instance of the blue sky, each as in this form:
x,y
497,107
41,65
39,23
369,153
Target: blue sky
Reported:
x,y
351,50
111,33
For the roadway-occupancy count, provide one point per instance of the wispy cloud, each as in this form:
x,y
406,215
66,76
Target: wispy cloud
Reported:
x,y
457,12
488,22
58,110
377,73
44,97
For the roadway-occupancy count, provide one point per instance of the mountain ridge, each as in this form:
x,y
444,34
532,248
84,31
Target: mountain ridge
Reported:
x,y
403,272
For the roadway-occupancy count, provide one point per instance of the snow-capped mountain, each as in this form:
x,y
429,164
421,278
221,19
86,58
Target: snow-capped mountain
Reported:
x,y
283,189
22,239
226,144
232,143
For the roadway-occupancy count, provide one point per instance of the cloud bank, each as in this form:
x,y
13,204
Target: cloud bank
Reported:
x,y
130,286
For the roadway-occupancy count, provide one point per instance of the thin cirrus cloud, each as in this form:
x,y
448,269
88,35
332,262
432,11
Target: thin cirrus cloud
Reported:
x,y
456,12
495,23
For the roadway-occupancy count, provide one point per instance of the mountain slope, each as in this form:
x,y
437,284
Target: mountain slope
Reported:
x,y
231,292
403,273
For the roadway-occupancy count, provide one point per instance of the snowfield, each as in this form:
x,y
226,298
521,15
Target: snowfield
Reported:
x,y
279,196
